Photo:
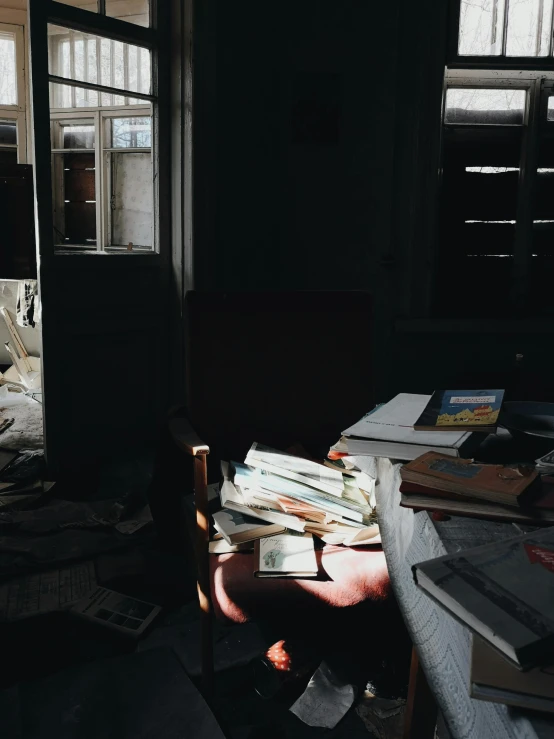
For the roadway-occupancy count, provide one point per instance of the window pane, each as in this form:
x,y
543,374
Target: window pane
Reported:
x,y
91,5
132,213
550,109
481,27
65,96
133,133
8,76
480,181
74,191
108,62
132,11
78,137
542,248
8,133
529,23
482,105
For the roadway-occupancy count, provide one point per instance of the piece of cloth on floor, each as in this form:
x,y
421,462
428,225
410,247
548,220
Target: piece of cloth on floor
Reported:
x,y
26,432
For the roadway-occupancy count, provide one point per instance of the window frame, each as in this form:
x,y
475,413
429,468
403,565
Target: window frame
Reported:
x,y
70,17
17,112
454,60
98,116
535,74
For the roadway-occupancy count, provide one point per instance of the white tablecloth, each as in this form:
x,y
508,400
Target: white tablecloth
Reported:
x,y
442,643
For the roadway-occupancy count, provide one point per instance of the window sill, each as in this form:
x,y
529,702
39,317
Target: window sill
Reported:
x,y
473,326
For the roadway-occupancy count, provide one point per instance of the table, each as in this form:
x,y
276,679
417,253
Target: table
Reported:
x,y
441,643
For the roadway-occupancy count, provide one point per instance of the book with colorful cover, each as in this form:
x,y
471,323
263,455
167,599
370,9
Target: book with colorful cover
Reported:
x,y
471,410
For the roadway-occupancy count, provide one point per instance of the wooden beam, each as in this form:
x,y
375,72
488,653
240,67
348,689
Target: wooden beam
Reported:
x,y
100,88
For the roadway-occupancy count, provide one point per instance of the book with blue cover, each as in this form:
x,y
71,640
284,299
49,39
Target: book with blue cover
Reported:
x,y
470,410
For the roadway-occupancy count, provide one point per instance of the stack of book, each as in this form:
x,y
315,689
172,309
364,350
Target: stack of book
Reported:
x,y
503,592
460,487
404,429
273,493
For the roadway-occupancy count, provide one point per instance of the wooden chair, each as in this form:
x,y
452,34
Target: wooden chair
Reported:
x,y
278,368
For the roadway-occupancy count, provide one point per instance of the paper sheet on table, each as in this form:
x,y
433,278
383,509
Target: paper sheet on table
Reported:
x,y
45,592
326,699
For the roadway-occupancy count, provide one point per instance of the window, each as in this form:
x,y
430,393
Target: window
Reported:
x,y
496,224
131,11
12,95
103,143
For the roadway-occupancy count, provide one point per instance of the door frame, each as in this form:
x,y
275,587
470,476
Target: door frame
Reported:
x,y
51,264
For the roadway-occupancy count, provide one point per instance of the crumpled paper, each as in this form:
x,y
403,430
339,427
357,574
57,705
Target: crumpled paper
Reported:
x,y
326,699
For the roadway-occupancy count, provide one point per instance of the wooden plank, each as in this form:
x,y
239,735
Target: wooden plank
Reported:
x,y
420,718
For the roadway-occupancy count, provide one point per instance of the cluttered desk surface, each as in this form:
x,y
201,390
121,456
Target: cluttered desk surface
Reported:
x,y
418,533
443,644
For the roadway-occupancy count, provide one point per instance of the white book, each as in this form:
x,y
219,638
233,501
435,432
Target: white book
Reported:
x,y
394,421
236,528
286,555
232,499
296,468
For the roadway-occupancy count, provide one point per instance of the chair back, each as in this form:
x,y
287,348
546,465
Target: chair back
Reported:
x,y
277,367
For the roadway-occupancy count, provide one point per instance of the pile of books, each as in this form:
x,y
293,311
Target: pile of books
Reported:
x,y
503,592
460,487
451,422
289,499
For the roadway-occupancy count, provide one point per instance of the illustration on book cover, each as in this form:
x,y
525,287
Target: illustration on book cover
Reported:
x,y
477,408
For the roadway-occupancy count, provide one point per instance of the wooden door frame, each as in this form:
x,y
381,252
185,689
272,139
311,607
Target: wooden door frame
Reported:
x,y
40,14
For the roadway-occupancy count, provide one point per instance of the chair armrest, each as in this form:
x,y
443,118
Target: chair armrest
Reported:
x,y
186,437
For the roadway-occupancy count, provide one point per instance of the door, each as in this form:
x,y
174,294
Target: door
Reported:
x,y
99,101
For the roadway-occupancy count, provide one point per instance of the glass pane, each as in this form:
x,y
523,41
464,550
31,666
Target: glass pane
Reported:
x,y
74,192
78,137
529,23
132,214
481,27
8,76
107,62
483,105
64,96
550,109
133,133
91,5
132,11
8,133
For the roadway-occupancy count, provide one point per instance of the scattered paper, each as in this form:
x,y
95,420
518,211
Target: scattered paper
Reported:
x,y
326,699
46,592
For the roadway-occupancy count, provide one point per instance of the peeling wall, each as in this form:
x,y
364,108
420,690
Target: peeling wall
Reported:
x,y
29,336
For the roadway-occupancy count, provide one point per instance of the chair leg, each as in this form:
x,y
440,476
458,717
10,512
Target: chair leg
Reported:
x,y
203,567
420,718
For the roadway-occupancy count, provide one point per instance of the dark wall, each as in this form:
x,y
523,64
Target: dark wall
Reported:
x,y
302,158
315,129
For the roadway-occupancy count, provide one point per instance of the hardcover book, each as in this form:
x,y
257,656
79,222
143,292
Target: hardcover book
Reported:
x,y
498,483
471,410
388,431
495,679
503,592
